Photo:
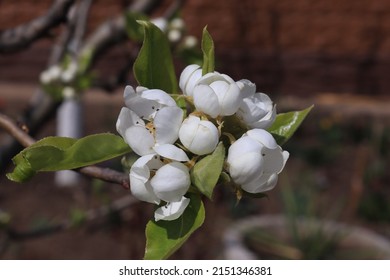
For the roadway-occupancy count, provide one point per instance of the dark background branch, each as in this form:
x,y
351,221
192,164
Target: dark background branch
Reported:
x,y
19,38
108,34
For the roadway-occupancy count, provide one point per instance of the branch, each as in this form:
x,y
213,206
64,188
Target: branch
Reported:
x,y
81,20
105,174
172,10
21,37
106,35
42,107
12,128
113,31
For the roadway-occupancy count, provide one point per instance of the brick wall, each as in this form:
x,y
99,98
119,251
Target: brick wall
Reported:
x,y
286,47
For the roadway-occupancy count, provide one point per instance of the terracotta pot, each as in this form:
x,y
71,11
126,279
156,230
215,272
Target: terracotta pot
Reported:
x,y
362,239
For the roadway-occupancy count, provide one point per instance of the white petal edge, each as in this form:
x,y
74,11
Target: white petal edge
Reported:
x,y
171,152
263,136
126,119
206,100
188,129
247,88
172,210
186,75
159,96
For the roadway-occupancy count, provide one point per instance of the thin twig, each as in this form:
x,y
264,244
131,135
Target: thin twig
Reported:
x,y
113,31
81,24
106,174
119,78
172,10
18,38
12,128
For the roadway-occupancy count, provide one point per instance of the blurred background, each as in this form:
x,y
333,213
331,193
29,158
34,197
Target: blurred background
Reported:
x,y
333,54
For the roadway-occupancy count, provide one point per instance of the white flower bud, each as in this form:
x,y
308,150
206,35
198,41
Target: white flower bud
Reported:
x,y
177,23
199,136
68,92
190,42
50,74
45,77
171,181
255,160
217,95
174,35
152,181
54,72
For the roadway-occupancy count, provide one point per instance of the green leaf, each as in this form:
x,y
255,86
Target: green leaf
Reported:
x,y
208,52
153,67
205,173
163,238
60,153
286,124
133,29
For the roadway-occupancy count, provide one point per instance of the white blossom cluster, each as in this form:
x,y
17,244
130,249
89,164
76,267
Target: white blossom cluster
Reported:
x,y
176,31
168,141
61,76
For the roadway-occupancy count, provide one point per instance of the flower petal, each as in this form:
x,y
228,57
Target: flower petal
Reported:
x,y
230,101
247,88
263,184
126,119
140,140
188,129
171,152
158,95
171,181
274,160
213,77
145,102
250,111
172,210
142,166
206,100
139,178
246,168
186,76
128,94
266,121
263,136
242,146
200,137
143,191
144,108
167,123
